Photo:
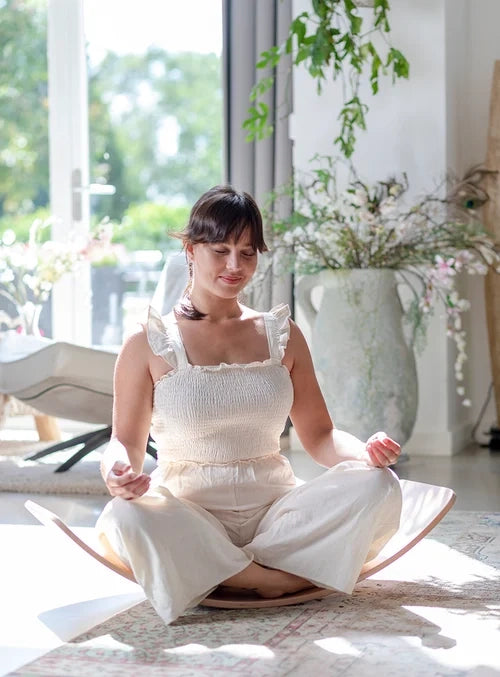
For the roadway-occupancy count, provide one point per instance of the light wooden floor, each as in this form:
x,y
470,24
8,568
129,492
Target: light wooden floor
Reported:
x,y
474,474
50,592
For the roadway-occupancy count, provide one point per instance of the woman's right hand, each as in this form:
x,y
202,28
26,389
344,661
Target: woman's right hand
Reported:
x,y
122,481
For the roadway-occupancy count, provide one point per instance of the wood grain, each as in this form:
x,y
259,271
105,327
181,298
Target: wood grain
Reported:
x,y
491,213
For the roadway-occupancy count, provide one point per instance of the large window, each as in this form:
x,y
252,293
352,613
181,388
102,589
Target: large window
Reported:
x,y
24,136
149,143
155,119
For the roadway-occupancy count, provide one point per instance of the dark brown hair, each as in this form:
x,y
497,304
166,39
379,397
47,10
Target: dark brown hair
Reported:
x,y
221,214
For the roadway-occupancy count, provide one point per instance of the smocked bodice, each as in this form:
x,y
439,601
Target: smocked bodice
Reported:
x,y
219,414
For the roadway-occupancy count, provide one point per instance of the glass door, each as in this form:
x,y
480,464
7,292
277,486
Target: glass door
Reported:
x,y
43,165
69,166
24,147
155,135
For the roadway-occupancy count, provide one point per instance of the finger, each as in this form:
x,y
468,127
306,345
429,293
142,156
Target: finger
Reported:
x,y
138,490
135,485
128,491
121,480
390,455
391,448
377,457
142,488
391,444
120,467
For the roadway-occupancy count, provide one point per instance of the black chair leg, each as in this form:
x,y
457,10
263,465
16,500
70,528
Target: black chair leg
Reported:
x,y
99,439
91,440
151,449
66,444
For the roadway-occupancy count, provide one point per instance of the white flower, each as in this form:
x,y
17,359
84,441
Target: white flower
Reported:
x,y
6,276
388,206
29,270
371,226
9,237
358,198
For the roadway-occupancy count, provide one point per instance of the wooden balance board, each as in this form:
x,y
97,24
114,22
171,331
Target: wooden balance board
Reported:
x,y
424,505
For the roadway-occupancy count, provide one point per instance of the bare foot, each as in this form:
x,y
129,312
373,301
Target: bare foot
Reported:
x,y
282,583
266,582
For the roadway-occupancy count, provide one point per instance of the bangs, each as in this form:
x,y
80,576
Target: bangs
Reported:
x,y
224,214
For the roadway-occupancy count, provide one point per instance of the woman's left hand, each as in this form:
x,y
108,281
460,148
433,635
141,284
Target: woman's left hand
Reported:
x,y
382,450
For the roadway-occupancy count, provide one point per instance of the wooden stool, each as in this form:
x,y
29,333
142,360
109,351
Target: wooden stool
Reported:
x,y
47,428
424,505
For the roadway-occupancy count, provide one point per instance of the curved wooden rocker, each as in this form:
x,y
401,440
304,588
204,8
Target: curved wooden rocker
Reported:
x,y
424,505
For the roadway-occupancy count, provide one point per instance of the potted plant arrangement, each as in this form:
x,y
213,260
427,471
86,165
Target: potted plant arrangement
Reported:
x,y
29,270
361,243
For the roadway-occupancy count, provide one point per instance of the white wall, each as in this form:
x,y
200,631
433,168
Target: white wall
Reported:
x,y
434,122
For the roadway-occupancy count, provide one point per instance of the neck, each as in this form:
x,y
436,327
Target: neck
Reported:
x,y
215,308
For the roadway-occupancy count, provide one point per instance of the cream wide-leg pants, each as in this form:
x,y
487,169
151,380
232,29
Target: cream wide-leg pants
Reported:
x,y
323,530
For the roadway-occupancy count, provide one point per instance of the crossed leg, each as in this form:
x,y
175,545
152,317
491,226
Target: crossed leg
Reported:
x,y
266,582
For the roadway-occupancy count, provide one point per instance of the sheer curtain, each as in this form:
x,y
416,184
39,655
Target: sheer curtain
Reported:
x,y
250,27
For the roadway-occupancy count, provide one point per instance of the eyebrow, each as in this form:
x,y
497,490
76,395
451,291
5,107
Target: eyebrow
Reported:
x,y
248,244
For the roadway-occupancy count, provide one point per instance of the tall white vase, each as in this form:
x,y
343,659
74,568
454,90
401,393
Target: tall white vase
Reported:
x,y
365,368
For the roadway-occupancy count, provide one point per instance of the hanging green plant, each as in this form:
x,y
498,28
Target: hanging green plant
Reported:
x,y
330,42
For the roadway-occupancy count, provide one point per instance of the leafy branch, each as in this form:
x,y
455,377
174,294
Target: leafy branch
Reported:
x,y
329,41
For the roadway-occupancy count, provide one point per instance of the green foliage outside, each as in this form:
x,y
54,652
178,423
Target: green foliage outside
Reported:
x,y
147,226
155,124
24,152
21,223
159,99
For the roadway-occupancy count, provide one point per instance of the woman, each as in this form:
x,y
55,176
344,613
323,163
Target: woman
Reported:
x,y
216,380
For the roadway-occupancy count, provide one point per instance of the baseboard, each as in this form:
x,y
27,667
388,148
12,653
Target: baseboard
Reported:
x,y
439,443
433,443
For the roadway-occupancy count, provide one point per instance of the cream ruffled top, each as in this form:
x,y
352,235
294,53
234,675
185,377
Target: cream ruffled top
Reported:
x,y
219,414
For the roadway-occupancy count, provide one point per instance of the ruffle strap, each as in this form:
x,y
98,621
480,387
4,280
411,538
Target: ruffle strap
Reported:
x,y
160,341
279,330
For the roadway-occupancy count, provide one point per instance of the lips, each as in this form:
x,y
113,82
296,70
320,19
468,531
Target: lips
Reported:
x,y
230,280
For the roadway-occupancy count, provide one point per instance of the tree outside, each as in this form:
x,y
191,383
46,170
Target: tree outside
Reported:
x,y
155,128
155,133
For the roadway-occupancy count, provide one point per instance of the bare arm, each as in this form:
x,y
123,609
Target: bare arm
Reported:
x,y
122,462
326,444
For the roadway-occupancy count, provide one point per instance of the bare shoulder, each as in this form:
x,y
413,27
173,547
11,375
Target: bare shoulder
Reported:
x,y
136,346
297,349
253,318
249,313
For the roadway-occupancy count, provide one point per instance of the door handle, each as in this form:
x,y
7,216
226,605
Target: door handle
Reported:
x,y
77,189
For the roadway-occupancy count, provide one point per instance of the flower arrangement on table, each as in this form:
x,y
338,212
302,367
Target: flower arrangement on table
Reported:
x,y
373,226
29,270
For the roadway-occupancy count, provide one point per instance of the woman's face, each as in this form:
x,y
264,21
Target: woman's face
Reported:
x,y
223,268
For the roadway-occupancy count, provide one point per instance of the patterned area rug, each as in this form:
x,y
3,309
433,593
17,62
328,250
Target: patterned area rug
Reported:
x,y
38,477
436,611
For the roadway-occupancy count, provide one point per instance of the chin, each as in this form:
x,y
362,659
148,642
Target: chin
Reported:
x,y
231,289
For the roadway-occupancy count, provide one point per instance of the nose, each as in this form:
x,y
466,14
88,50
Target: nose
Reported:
x,y
233,261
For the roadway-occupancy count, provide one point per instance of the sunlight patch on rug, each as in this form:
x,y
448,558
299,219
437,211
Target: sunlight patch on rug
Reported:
x,y
338,645
435,611
238,650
